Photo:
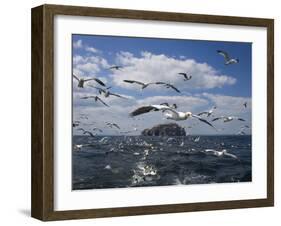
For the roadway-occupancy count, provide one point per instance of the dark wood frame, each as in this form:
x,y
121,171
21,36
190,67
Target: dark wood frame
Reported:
x,y
42,203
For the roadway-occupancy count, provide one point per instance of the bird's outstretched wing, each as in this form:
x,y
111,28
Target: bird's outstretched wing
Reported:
x,y
114,124
204,120
241,119
215,119
133,81
203,113
161,83
87,97
142,110
210,150
230,155
174,88
115,67
224,54
74,76
184,74
99,99
96,79
89,133
117,95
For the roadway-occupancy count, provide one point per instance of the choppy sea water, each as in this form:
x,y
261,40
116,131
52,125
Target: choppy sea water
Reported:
x,y
132,161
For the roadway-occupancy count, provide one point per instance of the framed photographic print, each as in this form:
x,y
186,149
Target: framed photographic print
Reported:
x,y
141,112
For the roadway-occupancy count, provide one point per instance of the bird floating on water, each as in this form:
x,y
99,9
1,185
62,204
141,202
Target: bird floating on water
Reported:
x,y
81,81
227,59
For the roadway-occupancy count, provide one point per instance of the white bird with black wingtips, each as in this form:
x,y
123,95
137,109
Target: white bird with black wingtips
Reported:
x,y
227,59
81,81
169,113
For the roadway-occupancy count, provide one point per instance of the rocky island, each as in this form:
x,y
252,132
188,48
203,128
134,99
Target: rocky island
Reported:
x,y
170,129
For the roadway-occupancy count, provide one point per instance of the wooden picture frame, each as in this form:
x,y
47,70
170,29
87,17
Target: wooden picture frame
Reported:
x,y
43,112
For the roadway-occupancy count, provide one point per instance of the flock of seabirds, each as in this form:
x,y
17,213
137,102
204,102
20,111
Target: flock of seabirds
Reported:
x,y
168,110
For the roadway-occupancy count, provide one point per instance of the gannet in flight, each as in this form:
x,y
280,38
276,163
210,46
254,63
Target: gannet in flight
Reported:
x,y
146,109
96,98
221,153
95,128
116,67
227,59
167,85
143,85
87,132
81,81
106,92
245,104
111,125
186,76
208,113
169,113
228,118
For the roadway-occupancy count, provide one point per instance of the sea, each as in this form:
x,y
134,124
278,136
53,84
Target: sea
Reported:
x,y
134,161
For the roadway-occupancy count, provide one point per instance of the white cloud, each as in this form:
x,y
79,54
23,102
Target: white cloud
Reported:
x,y
150,68
78,44
88,65
92,50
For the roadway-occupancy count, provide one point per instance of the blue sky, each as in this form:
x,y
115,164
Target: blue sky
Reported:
x,y
149,60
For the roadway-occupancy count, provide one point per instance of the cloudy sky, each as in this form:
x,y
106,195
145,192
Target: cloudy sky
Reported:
x,y
151,60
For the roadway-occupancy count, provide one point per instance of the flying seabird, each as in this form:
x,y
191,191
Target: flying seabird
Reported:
x,y
169,113
186,76
228,118
167,85
146,109
81,81
222,153
143,85
245,104
95,128
106,92
227,59
208,113
111,125
87,132
178,116
96,99
115,67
